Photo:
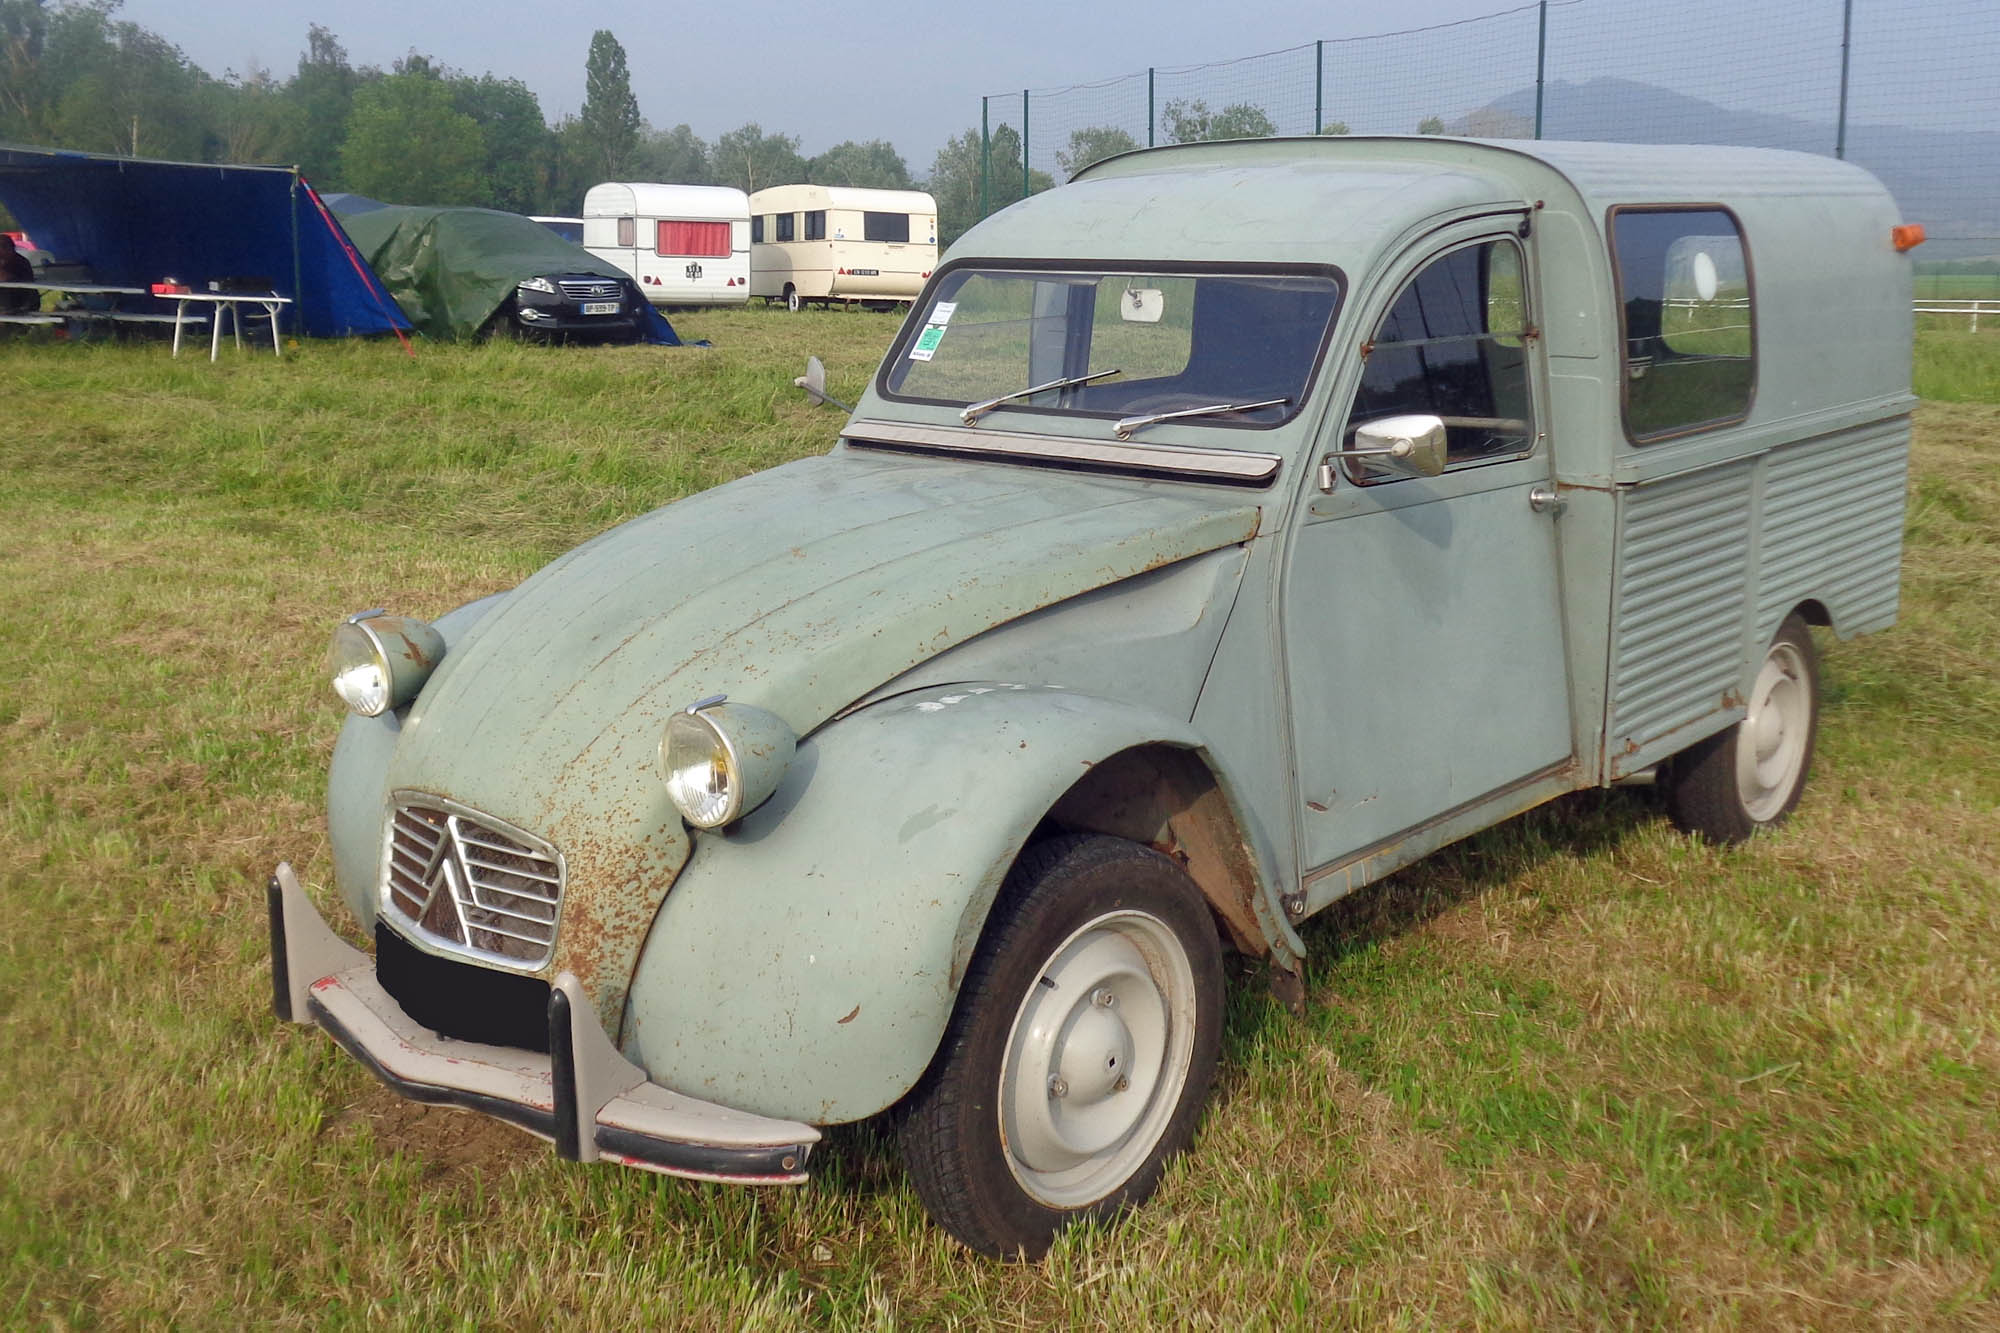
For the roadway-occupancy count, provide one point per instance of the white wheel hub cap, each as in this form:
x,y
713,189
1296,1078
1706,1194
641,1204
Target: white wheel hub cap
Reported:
x,y
1097,1059
1771,748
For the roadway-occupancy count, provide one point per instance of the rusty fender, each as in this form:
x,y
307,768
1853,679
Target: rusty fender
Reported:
x,y
806,962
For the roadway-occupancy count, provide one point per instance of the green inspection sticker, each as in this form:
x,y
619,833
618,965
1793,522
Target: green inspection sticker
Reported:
x,y
927,342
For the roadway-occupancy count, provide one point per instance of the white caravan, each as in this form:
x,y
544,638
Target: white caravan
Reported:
x,y
683,244
829,243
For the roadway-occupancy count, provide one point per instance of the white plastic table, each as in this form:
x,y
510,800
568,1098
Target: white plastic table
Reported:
x,y
232,302
66,289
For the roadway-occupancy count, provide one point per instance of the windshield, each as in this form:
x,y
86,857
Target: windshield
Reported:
x,y
1117,344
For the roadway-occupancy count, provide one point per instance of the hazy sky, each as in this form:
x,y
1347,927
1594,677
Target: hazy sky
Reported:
x,y
864,69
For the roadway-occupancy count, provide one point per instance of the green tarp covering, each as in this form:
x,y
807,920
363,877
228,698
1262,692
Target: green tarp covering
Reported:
x,y
450,269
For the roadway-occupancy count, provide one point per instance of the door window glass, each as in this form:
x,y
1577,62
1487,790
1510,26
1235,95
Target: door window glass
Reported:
x,y
1689,320
1454,345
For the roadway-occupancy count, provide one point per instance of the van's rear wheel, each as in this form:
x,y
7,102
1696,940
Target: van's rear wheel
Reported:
x,y
793,301
1081,1051
1751,776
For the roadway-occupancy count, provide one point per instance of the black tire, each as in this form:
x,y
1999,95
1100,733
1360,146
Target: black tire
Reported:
x,y
793,301
1749,777
1006,1172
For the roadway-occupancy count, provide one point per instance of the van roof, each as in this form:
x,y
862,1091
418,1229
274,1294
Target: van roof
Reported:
x,y
1340,199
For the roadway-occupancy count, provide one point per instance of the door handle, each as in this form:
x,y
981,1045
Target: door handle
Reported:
x,y
1545,499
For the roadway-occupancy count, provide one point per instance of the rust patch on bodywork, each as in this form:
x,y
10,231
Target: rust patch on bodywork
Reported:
x,y
1167,799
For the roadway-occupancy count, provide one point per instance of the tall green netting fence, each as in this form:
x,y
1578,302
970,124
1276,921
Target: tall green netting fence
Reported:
x,y
1910,92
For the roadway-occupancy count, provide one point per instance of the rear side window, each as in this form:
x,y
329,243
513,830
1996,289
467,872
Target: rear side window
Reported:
x,y
704,240
628,231
885,226
757,229
786,224
816,225
1689,318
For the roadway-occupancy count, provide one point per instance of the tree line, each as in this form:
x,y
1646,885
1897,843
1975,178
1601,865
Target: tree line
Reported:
x,y
75,75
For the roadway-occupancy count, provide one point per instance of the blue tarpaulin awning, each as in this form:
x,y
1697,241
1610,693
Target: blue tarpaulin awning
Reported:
x,y
132,221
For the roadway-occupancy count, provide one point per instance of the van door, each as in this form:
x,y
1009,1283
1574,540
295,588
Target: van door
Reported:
x,y
1423,615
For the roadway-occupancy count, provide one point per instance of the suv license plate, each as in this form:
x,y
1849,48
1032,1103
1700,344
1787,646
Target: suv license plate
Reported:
x,y
600,307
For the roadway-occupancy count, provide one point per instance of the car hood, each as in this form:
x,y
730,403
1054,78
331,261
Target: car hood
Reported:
x,y
798,590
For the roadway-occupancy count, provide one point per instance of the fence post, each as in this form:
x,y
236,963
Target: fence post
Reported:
x,y
1846,32
985,163
1149,106
1024,143
1319,86
1541,61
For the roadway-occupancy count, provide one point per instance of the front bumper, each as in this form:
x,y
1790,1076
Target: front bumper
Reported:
x,y
583,1095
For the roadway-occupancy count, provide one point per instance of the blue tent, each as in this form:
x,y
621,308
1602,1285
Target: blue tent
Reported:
x,y
132,221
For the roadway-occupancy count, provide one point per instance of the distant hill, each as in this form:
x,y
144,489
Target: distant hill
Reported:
x,y
1949,181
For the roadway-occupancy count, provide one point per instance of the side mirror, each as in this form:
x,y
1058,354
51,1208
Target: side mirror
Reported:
x,y
814,383
1414,444
1142,305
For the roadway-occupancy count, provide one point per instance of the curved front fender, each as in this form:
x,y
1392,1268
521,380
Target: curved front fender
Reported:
x,y
805,963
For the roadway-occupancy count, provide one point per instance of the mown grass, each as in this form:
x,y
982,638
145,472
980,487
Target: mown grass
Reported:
x,y
1578,1071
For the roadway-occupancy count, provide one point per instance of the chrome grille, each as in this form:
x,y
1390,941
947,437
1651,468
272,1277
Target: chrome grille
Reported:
x,y
468,881
590,289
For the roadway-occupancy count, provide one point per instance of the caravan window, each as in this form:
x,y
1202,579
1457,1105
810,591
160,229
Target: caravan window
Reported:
x,y
785,225
700,240
1690,319
628,231
816,225
885,226
757,229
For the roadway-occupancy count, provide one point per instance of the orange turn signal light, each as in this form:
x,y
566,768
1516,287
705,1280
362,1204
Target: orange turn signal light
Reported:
x,y
1908,236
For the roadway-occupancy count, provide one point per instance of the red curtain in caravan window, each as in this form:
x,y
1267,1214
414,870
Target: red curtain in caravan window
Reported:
x,y
708,240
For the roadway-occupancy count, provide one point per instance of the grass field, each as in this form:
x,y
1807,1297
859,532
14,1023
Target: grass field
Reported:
x,y
1578,1071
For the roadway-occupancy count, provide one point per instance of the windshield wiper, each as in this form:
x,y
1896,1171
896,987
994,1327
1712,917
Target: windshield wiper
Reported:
x,y
978,410
1123,430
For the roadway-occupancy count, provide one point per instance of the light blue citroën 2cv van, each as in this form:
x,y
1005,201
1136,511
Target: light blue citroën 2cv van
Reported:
x,y
1223,530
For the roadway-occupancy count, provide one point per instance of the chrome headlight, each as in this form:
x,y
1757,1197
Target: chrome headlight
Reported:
x,y
722,760
537,285
379,661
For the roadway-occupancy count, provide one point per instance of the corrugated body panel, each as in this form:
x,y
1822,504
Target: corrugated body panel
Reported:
x,y
1831,526
1682,593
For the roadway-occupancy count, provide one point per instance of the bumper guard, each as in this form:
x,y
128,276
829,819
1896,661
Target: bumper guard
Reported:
x,y
583,1095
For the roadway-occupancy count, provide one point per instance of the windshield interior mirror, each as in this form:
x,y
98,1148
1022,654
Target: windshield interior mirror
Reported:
x,y
1142,305
1413,443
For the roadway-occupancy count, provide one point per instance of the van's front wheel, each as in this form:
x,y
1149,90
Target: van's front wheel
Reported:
x,y
1081,1051
1751,776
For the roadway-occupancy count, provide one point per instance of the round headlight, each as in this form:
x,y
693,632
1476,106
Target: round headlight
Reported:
x,y
379,661
722,760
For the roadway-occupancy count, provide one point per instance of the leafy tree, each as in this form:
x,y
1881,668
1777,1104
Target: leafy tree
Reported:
x,y
872,165
251,119
677,155
1091,144
1188,120
750,159
1335,127
322,93
1431,125
113,87
519,145
955,179
609,121
407,143
24,29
